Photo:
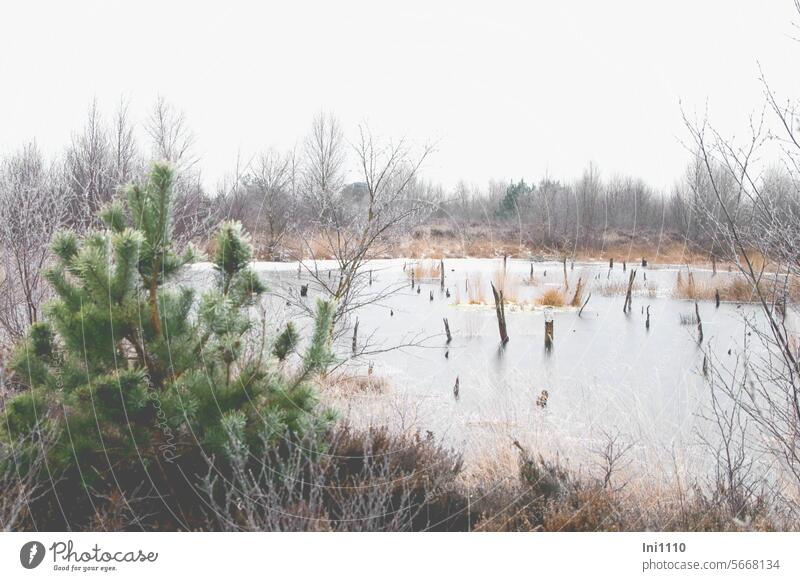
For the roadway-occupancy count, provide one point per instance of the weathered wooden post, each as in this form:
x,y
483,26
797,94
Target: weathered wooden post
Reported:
x,y
447,293
629,295
566,280
370,278
647,322
447,329
441,272
355,338
499,306
548,328
531,276
699,324
611,263
303,290
576,298
431,295
586,302
716,296
412,280
624,266
644,262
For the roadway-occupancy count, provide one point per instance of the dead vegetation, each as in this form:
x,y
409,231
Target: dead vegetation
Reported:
x,y
613,288
508,284
730,288
424,270
472,293
346,384
552,297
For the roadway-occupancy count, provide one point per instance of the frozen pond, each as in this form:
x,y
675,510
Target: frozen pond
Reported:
x,y
606,373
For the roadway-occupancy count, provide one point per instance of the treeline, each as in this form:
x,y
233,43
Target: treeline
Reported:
x,y
281,194
582,214
313,200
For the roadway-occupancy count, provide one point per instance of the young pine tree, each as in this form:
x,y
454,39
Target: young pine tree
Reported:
x,y
128,367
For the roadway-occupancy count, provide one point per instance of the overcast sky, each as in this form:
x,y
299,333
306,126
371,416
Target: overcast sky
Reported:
x,y
508,90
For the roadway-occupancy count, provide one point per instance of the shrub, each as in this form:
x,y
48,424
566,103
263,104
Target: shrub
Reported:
x,y
130,372
349,480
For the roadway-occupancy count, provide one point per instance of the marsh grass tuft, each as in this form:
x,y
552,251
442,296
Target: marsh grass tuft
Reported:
x,y
425,269
731,289
552,297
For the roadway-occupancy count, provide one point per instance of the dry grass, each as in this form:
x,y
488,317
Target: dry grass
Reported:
x,y
473,292
552,297
487,240
508,284
425,269
313,246
344,384
531,280
732,289
613,288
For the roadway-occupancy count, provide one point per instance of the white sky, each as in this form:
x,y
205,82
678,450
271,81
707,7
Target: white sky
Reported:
x,y
508,89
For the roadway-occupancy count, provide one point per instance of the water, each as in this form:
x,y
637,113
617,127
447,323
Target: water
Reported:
x,y
605,374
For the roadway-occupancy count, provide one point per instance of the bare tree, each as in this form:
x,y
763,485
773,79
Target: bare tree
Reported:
x,y
271,202
324,155
127,164
359,222
172,140
88,167
33,204
763,239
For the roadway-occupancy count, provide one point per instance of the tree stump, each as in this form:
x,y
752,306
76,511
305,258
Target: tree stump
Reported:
x,y
500,310
628,295
699,324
